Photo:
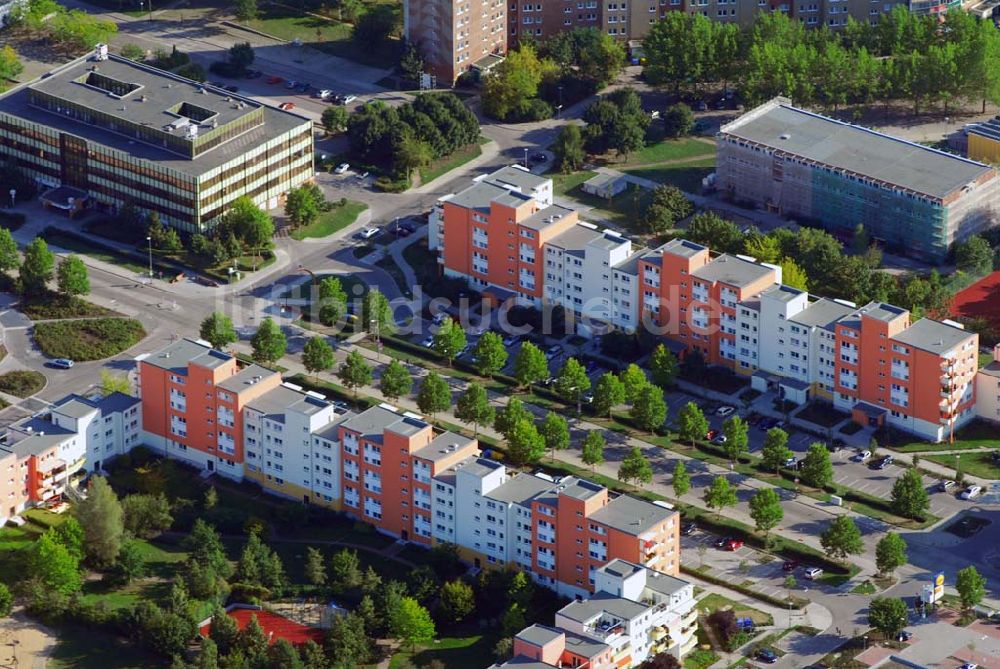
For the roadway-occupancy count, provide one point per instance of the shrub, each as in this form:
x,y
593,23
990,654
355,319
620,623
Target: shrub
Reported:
x,y
88,339
22,383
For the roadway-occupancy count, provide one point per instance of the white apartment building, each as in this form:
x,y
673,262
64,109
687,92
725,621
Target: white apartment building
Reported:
x,y
290,444
636,611
110,425
988,389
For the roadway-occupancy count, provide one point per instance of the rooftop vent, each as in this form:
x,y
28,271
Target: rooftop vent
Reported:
x,y
784,135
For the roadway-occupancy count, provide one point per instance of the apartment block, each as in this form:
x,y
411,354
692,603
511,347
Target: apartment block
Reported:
x,y
456,36
633,614
39,455
908,196
988,389
103,130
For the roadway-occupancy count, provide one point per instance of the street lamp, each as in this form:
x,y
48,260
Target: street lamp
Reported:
x,y
560,98
525,157
373,327
149,241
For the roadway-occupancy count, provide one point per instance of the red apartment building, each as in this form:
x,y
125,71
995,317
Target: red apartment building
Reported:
x,y
192,404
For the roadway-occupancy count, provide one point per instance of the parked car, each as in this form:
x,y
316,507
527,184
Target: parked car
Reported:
x,y
904,636
733,545
882,462
291,85
944,485
689,528
969,665
587,397
286,106
790,565
971,492
323,94
711,434
274,80
345,99
719,439
341,168
812,573
340,406
368,233
539,157
861,455
722,541
440,317
554,351
790,462
62,363
724,411
767,656
428,341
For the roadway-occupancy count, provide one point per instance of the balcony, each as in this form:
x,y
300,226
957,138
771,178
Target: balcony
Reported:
x,y
659,633
605,629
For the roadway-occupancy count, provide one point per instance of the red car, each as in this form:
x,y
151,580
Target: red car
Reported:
x,y
733,545
711,434
286,106
274,80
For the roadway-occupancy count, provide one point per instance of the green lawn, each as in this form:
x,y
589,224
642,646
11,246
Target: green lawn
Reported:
x,y
88,648
450,162
977,434
328,35
686,176
96,251
330,222
670,149
975,464
714,601
563,183
455,652
623,209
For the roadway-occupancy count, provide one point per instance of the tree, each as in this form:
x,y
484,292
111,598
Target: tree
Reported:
x,y
37,268
661,661
503,649
313,656
524,443
609,393
317,355
513,83
635,468
10,66
411,63
568,149
332,301
259,565
252,642
282,655
334,119
668,205
146,516
765,509
715,232
473,406
775,452
375,25
72,276
634,380
9,258
555,432
412,154
434,395
681,479
396,380
345,569
792,275
355,372
888,615
490,354
909,498
678,120
100,516
530,365
890,553
268,343
506,417
593,449
974,256
52,565
377,312
691,423
457,600
649,410
301,204
245,10
133,52
217,329
6,601
223,630
347,643
572,381
842,538
663,367
315,570
971,586
816,469
449,340
411,623
737,437
720,494
114,383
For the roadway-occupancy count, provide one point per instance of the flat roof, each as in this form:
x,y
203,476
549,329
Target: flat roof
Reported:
x,y
371,423
477,466
631,515
731,270
60,83
631,264
275,402
246,377
575,239
583,611
543,218
781,292
780,126
681,247
177,355
442,446
822,313
478,196
932,336
520,488
516,176
539,635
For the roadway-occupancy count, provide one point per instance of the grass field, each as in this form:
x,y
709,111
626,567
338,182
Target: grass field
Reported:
x,y
714,602
975,464
670,149
89,339
54,306
454,652
22,383
564,183
977,434
686,176
327,35
87,648
95,251
622,210
330,222
450,162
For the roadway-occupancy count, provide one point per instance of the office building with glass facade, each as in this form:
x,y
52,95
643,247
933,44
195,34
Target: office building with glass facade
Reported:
x,y
119,131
